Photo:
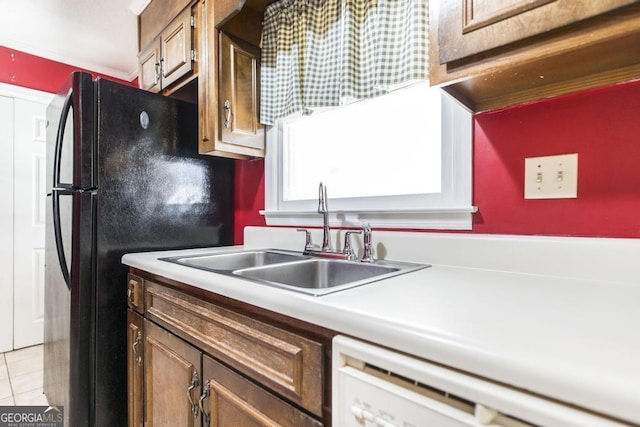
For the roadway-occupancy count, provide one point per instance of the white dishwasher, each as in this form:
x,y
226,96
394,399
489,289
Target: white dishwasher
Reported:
x,y
375,387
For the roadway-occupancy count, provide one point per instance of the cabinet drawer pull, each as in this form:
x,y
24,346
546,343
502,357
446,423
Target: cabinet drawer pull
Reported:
x,y
227,114
133,291
157,76
205,395
134,347
195,381
163,69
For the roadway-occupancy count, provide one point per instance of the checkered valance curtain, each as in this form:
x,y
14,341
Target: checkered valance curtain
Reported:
x,y
321,53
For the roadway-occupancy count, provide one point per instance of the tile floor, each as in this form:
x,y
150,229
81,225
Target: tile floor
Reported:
x,y
21,377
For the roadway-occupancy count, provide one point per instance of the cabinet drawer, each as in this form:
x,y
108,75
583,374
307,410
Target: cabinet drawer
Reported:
x,y
238,402
286,363
135,285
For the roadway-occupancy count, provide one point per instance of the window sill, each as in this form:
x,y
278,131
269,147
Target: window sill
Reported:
x,y
459,218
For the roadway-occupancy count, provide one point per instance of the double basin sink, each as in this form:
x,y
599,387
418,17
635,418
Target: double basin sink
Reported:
x,y
295,271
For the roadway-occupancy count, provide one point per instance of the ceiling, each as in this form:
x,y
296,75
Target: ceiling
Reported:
x,y
98,35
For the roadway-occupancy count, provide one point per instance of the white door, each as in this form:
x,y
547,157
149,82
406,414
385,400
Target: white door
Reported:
x,y
29,216
6,223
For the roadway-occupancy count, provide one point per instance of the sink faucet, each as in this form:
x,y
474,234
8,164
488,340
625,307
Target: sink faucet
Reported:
x,y
322,209
348,253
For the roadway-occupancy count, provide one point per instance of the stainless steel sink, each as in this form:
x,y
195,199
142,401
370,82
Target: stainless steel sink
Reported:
x,y
317,273
294,271
230,261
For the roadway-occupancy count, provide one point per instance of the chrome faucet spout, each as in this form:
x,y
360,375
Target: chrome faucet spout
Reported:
x,y
324,210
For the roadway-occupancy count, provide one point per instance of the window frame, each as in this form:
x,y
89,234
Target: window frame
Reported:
x,y
453,212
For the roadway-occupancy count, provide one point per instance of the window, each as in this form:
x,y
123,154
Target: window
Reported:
x,y
402,160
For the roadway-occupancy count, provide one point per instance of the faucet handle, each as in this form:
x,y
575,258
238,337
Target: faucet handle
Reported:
x,y
348,251
307,240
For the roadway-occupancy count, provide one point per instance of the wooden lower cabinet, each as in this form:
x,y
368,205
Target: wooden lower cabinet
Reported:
x,y
192,363
285,362
135,367
235,401
172,379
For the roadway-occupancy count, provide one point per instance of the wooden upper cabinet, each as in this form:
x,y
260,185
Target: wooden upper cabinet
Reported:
x,y
170,55
228,86
156,16
494,53
149,68
239,96
206,51
176,48
469,27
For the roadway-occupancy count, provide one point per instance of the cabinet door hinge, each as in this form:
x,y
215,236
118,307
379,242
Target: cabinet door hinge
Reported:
x,y
193,55
193,21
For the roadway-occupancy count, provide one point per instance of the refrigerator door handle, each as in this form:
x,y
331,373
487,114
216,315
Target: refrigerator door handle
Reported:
x,y
59,188
66,108
57,232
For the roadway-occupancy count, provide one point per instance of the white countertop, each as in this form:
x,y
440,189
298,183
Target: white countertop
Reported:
x,y
575,340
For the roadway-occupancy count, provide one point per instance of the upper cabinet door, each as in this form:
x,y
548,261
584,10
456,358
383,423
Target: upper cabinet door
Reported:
x,y
470,27
175,43
239,91
168,57
149,75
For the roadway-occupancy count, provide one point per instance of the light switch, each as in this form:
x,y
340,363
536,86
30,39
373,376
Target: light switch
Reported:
x,y
551,177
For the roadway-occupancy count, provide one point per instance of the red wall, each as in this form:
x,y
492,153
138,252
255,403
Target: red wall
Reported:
x,y
602,126
22,69
248,196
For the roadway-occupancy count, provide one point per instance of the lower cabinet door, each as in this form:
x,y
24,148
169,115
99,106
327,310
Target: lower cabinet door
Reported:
x,y
135,366
172,379
237,402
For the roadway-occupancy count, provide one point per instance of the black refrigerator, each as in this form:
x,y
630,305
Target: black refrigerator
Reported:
x,y
123,175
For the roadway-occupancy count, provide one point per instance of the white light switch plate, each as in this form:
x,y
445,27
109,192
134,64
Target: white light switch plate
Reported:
x,y
551,177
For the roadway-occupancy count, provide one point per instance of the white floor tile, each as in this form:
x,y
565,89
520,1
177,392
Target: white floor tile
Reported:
x,y
33,397
26,382
4,374
37,351
7,402
24,366
5,389
21,376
